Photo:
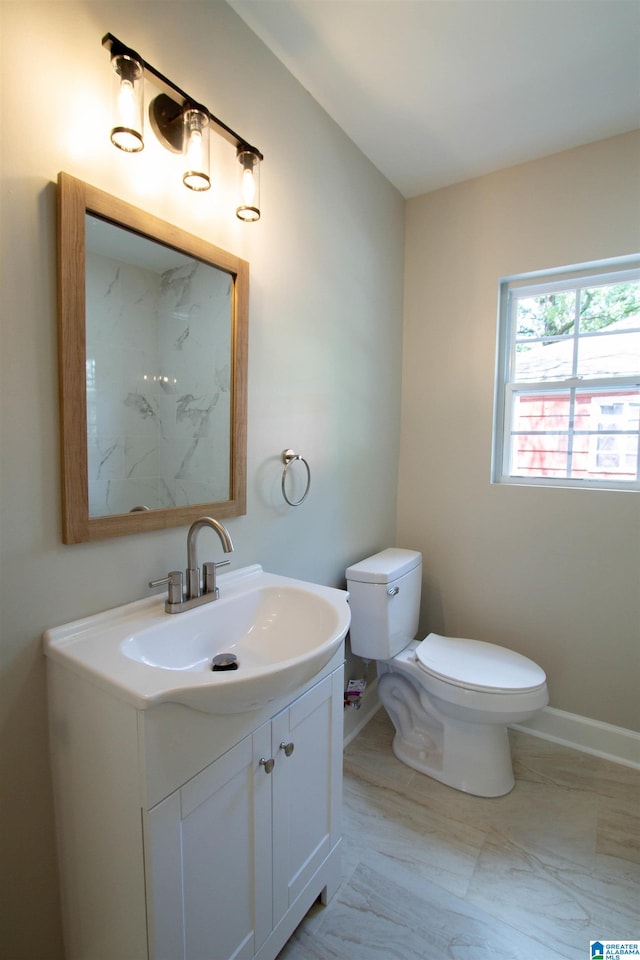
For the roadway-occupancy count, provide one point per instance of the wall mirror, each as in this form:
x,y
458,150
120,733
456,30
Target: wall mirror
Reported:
x,y
153,330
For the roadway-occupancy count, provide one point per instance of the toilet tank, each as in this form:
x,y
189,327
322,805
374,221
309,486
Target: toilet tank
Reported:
x,y
384,597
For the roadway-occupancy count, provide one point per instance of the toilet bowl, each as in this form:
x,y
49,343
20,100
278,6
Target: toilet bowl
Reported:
x,y
450,698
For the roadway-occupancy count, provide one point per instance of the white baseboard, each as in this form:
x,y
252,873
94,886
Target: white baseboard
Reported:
x,y
570,729
589,736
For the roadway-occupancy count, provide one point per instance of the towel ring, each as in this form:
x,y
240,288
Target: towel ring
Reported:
x,y
288,457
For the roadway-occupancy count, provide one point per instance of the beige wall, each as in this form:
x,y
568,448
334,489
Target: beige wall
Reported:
x,y
325,340
552,573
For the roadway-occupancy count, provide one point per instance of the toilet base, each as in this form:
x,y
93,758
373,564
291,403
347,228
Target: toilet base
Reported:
x,y
491,778
469,756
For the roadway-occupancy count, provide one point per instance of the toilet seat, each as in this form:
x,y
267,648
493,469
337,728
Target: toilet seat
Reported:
x,y
476,665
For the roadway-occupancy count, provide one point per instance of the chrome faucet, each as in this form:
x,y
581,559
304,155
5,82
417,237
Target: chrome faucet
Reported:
x,y
193,571
196,593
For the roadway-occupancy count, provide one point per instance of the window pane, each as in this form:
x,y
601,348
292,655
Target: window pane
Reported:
x,y
544,361
610,303
613,457
548,315
609,354
612,410
541,412
539,455
540,444
613,435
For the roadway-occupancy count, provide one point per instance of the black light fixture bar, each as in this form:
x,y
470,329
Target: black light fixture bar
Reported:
x,y
170,89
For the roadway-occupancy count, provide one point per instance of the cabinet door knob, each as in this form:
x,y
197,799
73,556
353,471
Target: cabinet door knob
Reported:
x,y
288,748
267,764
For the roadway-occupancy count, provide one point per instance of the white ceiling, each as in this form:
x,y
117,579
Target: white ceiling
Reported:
x,y
438,91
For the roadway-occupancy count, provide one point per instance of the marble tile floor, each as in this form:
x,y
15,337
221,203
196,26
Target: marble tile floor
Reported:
x,y
429,872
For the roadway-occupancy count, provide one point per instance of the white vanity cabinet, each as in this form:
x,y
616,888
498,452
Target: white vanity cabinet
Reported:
x,y
178,838
233,851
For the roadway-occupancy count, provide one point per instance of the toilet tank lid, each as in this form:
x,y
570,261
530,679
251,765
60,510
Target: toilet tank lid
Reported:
x,y
385,566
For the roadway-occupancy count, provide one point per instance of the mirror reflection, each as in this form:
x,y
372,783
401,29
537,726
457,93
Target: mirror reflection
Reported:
x,y
158,352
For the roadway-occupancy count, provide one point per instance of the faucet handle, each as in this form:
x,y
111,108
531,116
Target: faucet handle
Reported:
x,y
209,575
174,580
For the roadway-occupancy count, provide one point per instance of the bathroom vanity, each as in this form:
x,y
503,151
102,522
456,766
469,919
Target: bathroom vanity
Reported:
x,y
182,832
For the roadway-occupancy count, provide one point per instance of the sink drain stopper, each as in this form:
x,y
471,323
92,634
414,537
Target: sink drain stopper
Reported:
x,y
225,661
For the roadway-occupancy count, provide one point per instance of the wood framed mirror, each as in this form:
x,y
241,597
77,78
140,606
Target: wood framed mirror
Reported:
x,y
152,349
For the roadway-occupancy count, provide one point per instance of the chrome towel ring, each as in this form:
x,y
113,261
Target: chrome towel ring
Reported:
x,y
288,457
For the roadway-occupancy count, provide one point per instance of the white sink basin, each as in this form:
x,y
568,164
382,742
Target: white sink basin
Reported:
x,y
282,632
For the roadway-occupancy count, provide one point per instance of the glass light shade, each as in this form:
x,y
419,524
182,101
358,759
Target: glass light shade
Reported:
x,y
249,207
195,146
126,133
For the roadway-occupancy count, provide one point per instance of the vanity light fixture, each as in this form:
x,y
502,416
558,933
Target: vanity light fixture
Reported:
x,y
195,138
128,76
249,161
180,124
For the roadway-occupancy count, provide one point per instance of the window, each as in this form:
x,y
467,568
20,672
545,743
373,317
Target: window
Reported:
x,y
567,409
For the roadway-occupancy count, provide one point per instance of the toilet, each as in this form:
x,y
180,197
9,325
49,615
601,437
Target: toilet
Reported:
x,y
450,699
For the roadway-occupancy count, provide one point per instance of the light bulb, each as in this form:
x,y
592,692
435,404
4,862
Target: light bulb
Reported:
x,y
126,102
193,151
248,187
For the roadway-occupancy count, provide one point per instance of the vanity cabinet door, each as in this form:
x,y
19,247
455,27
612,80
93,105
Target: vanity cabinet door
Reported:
x,y
307,788
209,860
228,853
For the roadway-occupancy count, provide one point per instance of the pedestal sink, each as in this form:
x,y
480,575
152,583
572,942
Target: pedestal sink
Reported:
x,y
281,631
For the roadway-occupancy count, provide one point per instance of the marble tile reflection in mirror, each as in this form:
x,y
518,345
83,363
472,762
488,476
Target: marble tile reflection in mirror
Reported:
x,y
158,348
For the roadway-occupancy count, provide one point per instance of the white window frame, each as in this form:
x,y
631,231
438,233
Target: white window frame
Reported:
x,y
616,270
